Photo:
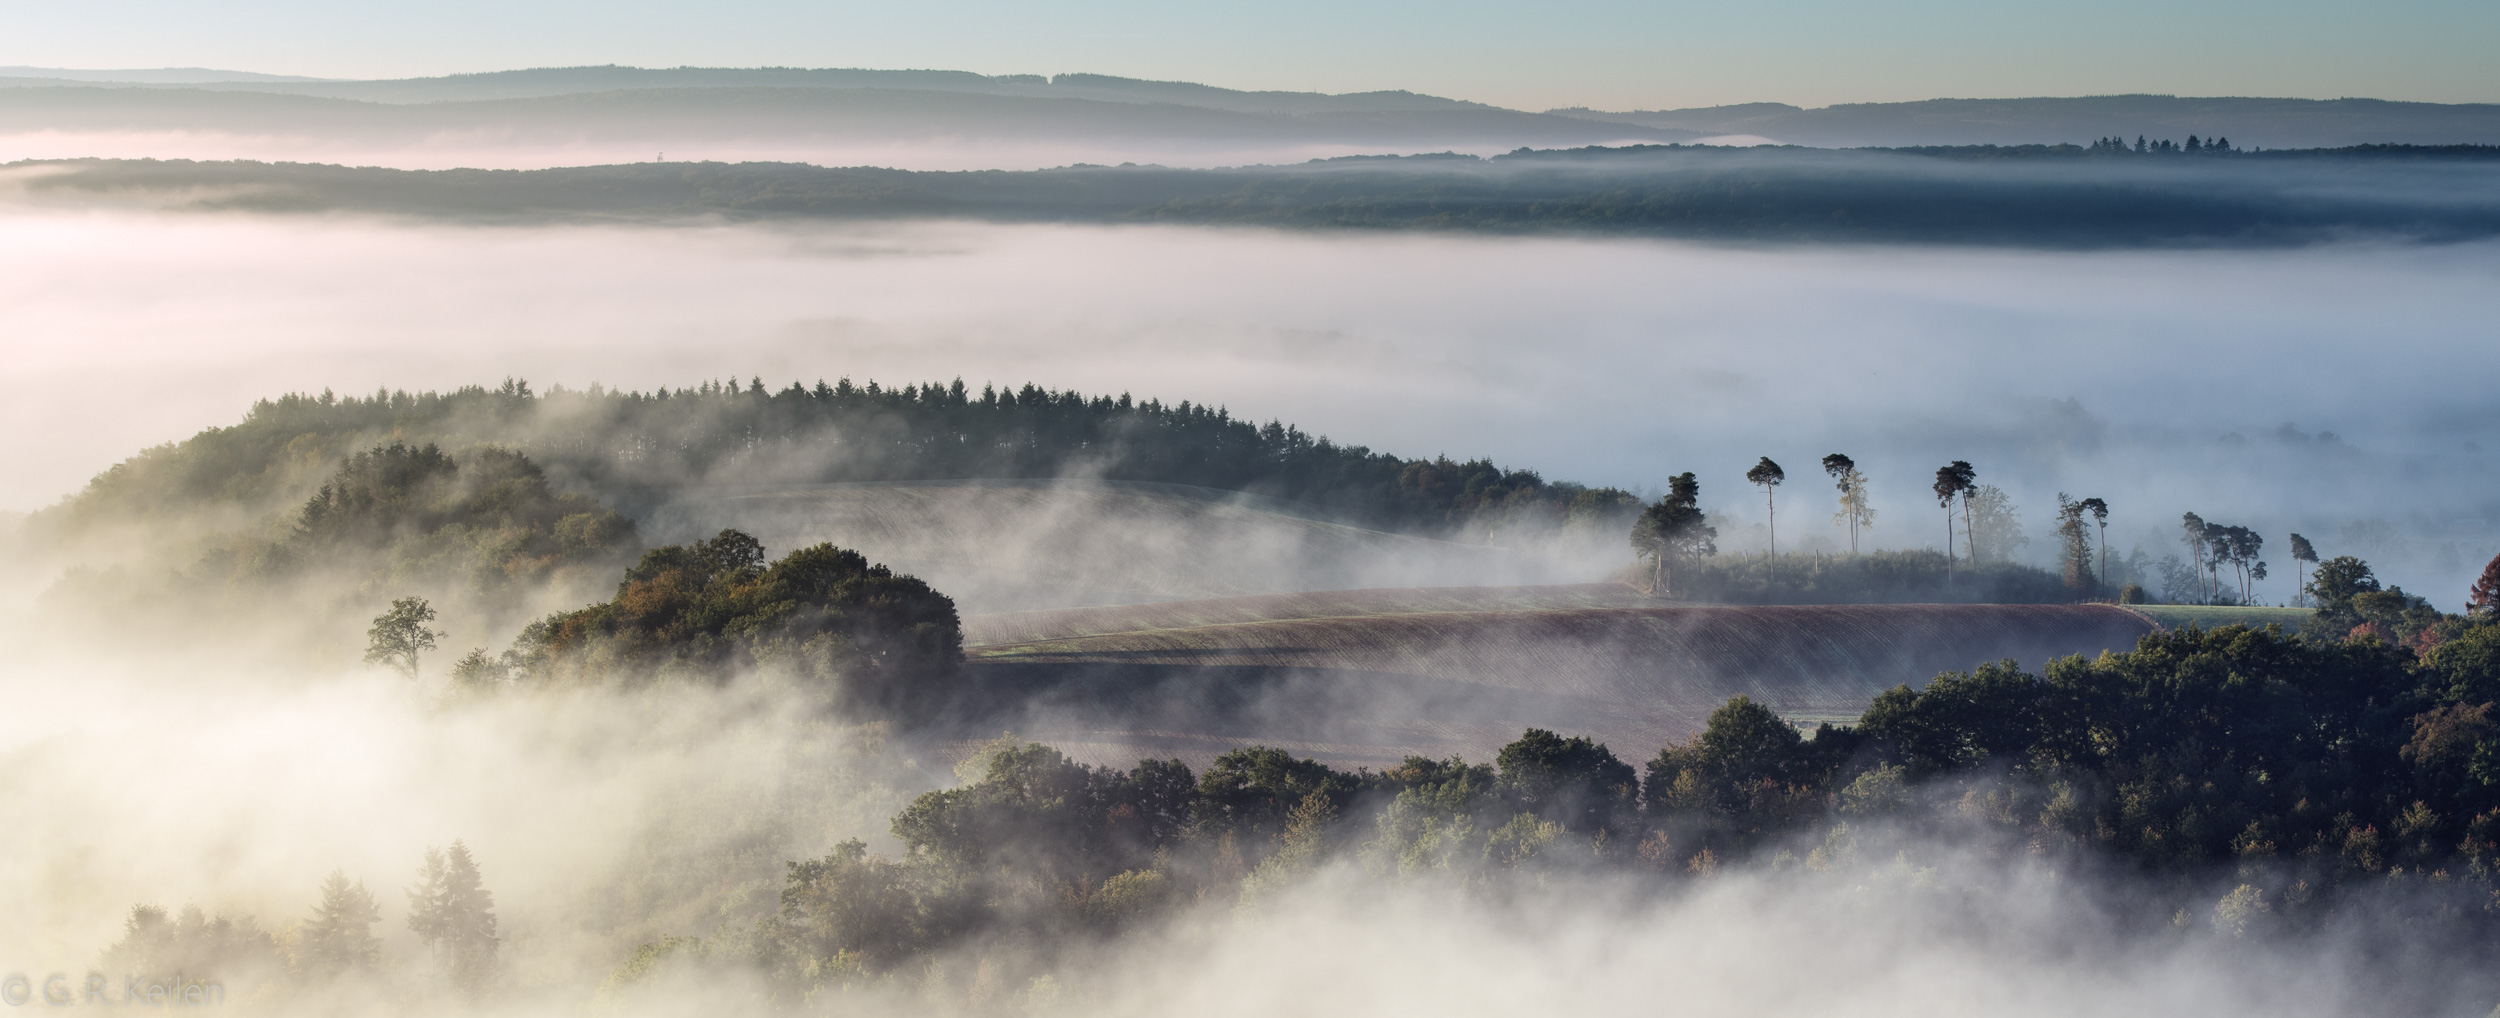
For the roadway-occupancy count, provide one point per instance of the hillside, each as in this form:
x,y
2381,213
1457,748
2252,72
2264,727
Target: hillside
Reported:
x,y
839,126
2208,616
2065,197
998,545
2246,121
1440,672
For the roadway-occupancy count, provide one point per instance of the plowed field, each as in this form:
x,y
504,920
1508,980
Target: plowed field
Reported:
x,y
1367,676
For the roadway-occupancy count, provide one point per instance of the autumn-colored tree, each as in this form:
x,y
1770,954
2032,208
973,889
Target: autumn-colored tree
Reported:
x,y
2483,599
1854,511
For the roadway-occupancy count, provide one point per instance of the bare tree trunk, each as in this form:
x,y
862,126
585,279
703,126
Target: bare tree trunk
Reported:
x,y
1969,534
1948,544
2104,554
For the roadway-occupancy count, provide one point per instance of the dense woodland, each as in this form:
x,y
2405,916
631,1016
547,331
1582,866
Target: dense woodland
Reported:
x,y
2027,196
628,449
2250,783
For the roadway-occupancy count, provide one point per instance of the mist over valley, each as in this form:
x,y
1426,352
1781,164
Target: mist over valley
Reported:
x,y
954,543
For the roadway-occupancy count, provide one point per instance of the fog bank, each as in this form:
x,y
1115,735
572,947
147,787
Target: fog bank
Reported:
x,y
2161,381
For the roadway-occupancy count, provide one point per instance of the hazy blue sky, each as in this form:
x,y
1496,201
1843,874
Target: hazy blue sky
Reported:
x,y
1604,53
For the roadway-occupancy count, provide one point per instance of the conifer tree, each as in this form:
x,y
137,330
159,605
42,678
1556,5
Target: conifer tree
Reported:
x,y
1769,475
1955,480
452,912
339,937
2100,521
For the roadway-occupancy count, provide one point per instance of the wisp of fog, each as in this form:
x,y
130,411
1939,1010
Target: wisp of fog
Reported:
x,y
2336,389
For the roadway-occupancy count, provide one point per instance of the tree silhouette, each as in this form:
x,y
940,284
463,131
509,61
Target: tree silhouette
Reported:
x,y
1955,480
2100,520
1854,512
2073,545
1769,475
450,909
1673,530
2192,532
399,634
2302,553
339,936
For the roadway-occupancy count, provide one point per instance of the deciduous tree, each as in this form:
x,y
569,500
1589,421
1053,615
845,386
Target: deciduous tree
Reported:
x,y
400,634
1854,510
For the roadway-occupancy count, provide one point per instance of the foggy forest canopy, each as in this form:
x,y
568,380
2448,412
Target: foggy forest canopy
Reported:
x,y
2211,790
2113,193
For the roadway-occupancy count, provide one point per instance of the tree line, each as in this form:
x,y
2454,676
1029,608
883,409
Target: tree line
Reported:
x,y
1673,537
629,449
449,909
2259,782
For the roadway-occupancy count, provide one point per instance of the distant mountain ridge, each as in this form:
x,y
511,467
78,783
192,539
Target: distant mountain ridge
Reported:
x,y
149,76
543,82
692,107
2269,123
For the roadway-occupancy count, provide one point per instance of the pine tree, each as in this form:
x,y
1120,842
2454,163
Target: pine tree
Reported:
x,y
2303,554
1769,475
452,912
339,937
2100,521
1955,480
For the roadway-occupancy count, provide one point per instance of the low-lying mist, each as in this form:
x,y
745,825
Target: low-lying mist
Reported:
x,y
602,821
2338,391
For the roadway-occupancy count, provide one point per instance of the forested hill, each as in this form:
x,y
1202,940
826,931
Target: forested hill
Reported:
x,y
630,449
2110,194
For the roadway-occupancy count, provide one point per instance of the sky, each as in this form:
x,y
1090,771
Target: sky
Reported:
x,y
1607,54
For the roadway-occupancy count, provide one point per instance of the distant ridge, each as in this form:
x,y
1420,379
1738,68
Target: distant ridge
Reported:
x,y
2246,121
149,76
689,108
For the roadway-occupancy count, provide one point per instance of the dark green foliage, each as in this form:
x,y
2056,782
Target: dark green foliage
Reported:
x,y
1961,719
2351,602
1881,577
732,433
2307,776
1573,782
874,641
1248,793
400,634
488,519
1673,532
2027,195
1747,776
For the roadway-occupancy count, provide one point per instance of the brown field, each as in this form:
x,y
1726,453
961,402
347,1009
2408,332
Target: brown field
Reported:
x,y
1369,676
1008,545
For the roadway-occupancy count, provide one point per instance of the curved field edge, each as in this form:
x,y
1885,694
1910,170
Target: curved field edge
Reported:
x,y
1067,623
2210,616
1819,657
